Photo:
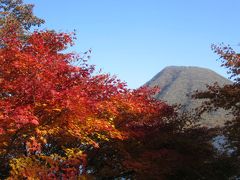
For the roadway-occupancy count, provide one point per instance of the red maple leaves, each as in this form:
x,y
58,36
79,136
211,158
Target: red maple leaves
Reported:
x,y
47,103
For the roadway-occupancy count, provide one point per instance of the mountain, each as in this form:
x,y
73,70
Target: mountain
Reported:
x,y
178,83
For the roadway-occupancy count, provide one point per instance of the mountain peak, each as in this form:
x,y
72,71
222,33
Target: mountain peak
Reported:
x,y
178,83
193,73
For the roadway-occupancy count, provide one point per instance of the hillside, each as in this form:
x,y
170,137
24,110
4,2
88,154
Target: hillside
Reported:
x,y
178,83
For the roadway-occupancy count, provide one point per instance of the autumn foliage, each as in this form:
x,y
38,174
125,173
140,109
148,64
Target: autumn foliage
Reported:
x,y
60,119
51,112
227,97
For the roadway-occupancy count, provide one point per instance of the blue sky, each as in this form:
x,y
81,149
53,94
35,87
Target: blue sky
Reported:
x,y
135,39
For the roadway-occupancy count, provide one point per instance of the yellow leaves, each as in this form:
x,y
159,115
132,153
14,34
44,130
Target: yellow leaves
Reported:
x,y
37,104
111,120
48,130
38,131
52,166
33,167
70,152
25,167
32,138
57,109
44,140
41,131
102,137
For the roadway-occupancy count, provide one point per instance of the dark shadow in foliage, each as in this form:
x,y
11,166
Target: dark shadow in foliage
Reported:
x,y
226,97
175,149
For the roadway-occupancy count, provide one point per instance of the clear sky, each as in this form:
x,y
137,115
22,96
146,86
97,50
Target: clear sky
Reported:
x,y
135,39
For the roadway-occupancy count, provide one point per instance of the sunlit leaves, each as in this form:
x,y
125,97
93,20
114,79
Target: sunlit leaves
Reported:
x,y
48,107
49,167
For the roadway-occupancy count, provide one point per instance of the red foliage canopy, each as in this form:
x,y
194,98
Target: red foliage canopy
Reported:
x,y
45,101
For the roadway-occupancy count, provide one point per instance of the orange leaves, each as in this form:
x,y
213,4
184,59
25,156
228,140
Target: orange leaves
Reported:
x,y
33,147
48,105
230,59
49,167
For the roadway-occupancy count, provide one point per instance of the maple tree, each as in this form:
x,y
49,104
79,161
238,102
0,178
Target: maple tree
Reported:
x,y
177,149
227,97
52,112
60,121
